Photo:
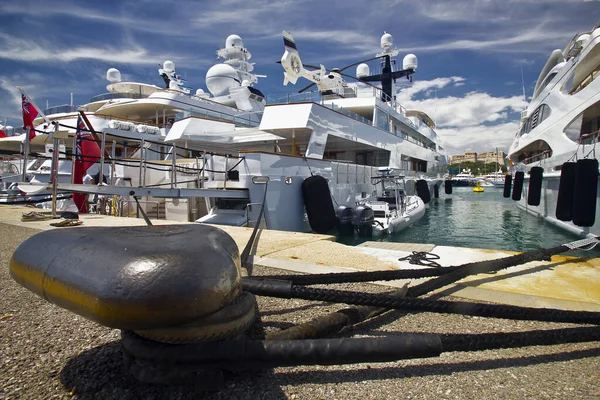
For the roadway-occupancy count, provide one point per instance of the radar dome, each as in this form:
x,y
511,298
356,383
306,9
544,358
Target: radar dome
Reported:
x,y
199,91
220,78
362,70
233,41
169,66
410,62
113,75
386,41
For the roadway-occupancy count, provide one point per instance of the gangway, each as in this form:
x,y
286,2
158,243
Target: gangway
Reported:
x,y
181,193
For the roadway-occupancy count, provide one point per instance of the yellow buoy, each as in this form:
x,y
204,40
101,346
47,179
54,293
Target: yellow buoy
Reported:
x,y
477,188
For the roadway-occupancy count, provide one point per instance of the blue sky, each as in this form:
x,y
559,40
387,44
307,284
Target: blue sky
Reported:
x,y
470,52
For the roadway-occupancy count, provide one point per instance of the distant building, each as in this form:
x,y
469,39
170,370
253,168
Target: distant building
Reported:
x,y
491,157
488,158
468,156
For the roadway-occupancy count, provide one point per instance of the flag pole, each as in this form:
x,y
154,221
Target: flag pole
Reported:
x,y
54,167
28,131
25,152
41,114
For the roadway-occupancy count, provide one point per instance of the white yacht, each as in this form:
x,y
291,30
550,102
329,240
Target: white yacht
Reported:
x,y
343,131
133,118
393,210
554,151
464,178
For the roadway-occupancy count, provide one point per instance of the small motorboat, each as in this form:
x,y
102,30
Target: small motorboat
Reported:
x,y
393,210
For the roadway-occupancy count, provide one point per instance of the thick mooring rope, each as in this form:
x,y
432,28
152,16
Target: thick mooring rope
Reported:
x,y
284,289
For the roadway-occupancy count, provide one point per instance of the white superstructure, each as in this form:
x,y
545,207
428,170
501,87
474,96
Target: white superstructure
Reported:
x,y
561,124
343,131
133,118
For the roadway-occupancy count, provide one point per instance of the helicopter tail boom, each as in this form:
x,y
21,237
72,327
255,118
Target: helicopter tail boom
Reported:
x,y
291,63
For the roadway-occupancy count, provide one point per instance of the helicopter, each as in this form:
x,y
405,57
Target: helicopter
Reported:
x,y
333,82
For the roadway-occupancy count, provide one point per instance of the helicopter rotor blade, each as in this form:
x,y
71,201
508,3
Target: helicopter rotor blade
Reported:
x,y
304,65
358,79
306,87
360,62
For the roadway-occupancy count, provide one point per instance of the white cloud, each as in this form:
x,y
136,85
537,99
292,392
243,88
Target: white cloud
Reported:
x,y
406,94
17,49
480,138
473,109
476,120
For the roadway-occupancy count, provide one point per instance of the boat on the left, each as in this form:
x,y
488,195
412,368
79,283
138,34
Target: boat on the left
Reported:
x,y
218,150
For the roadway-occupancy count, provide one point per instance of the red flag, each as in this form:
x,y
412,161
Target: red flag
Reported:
x,y
87,153
29,114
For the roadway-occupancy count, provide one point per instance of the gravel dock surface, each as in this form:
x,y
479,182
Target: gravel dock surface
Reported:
x,y
47,352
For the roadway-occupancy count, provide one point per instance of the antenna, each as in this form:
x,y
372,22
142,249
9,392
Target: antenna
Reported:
x,y
435,108
523,84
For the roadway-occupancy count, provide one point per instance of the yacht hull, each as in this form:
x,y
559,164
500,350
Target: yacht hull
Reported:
x,y
547,207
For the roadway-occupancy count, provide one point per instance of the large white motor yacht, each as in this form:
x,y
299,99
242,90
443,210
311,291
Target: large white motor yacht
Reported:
x,y
133,119
558,136
342,131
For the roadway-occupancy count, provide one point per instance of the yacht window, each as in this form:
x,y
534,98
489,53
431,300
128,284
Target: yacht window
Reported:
x,y
382,120
568,85
574,128
536,118
545,112
584,128
584,72
547,81
533,120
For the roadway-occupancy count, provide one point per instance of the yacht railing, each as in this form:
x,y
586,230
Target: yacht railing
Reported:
x,y
111,96
587,80
62,109
589,138
538,157
315,97
242,119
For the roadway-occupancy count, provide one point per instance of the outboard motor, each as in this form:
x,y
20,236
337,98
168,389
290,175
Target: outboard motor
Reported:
x,y
363,220
344,221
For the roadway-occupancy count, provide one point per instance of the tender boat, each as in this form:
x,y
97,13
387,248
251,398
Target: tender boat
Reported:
x,y
393,210
553,156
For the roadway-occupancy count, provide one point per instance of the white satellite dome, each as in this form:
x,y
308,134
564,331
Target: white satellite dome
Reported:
x,y
199,91
362,70
113,75
386,41
169,66
233,41
410,62
220,78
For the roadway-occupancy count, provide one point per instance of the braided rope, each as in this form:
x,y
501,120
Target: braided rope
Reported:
x,y
445,307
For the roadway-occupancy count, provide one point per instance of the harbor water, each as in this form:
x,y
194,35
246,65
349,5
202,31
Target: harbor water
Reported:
x,y
480,220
